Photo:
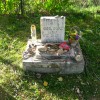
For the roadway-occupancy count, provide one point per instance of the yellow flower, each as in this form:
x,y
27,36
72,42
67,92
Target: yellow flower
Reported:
x,y
45,83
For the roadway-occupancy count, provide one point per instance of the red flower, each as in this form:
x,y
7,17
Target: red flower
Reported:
x,y
64,46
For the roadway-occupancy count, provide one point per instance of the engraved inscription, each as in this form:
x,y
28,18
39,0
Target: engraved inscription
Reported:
x,y
52,29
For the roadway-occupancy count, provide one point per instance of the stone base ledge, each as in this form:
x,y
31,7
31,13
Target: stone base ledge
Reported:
x,y
61,66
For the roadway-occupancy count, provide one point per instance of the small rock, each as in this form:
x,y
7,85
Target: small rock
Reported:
x,y
60,51
65,51
72,53
78,57
68,62
77,90
52,50
41,49
31,49
25,55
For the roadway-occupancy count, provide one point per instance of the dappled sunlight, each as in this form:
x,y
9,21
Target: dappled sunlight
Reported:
x,y
20,85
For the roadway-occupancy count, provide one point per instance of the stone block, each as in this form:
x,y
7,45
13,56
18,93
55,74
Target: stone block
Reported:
x,y
62,64
52,29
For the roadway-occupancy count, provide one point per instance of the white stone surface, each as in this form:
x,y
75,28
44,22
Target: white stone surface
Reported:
x,y
52,28
42,62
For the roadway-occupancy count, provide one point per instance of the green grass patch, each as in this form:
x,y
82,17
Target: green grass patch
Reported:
x,y
14,32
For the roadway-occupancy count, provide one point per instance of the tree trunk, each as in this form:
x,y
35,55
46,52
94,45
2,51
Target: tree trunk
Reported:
x,y
96,2
22,6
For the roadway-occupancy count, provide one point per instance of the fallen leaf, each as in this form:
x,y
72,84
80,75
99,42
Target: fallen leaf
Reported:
x,y
45,83
60,79
77,90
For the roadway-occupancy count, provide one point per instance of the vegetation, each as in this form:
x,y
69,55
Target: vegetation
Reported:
x,y
14,32
48,6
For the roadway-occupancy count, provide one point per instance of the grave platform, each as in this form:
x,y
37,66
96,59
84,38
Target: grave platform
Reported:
x,y
44,62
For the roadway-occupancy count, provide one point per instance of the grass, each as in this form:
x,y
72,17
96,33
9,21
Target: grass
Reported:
x,y
14,32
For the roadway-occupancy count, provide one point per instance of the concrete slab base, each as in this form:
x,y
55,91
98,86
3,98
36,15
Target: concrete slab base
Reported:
x,y
64,64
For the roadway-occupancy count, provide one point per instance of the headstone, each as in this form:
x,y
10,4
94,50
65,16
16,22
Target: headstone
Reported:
x,y
52,54
52,29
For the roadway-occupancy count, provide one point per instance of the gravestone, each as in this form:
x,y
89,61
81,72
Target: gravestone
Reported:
x,y
52,29
46,55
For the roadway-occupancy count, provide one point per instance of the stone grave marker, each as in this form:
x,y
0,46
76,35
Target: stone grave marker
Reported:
x,y
52,29
52,53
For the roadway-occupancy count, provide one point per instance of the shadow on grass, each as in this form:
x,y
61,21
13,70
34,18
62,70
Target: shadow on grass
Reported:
x,y
72,87
5,95
8,62
19,27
